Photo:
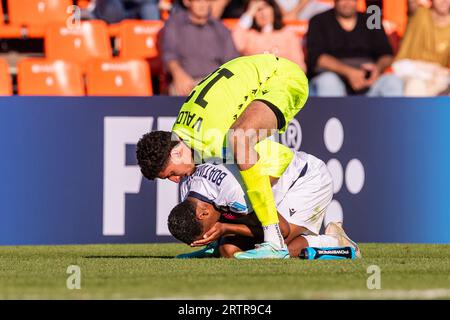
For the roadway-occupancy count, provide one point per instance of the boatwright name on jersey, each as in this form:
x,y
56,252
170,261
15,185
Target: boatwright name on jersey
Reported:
x,y
220,185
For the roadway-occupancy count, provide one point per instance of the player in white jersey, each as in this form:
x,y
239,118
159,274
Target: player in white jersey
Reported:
x,y
215,206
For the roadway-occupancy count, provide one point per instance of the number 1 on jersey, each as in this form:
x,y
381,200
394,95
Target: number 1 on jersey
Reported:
x,y
200,100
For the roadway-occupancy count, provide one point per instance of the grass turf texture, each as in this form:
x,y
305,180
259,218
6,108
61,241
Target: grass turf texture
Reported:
x,y
150,272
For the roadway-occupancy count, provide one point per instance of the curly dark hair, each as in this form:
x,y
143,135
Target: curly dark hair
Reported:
x,y
153,151
183,223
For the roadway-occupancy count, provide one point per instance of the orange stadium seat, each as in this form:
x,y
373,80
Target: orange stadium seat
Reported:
x,y
36,14
361,4
81,44
5,79
396,12
38,76
230,23
330,2
299,26
138,39
83,3
2,15
118,77
6,30
114,30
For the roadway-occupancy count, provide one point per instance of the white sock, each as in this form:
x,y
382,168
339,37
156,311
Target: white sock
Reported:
x,y
322,241
272,234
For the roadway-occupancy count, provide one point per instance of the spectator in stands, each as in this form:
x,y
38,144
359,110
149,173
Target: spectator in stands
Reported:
x,y
260,29
413,5
220,9
301,9
424,55
193,45
113,11
346,57
228,9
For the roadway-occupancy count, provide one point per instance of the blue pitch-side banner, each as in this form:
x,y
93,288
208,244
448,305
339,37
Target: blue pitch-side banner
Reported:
x,y
69,174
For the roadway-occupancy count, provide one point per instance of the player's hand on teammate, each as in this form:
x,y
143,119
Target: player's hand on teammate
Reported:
x,y
213,234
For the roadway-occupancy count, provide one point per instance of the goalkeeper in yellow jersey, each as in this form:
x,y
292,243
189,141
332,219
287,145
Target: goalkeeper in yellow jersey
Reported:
x,y
225,117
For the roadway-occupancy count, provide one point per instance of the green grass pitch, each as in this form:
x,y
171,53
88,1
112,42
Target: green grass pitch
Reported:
x,y
148,271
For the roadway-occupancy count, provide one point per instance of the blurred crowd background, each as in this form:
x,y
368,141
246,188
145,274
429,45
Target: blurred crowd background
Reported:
x,y
146,47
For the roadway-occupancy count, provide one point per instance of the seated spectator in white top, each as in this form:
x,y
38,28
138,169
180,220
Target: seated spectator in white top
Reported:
x,y
424,56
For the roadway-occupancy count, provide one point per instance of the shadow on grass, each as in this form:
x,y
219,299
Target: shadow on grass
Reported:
x,y
129,257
